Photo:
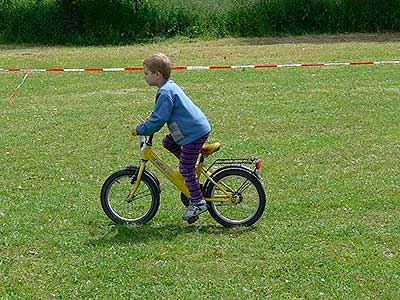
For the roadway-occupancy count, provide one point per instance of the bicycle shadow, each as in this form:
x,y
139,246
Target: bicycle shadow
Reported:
x,y
162,231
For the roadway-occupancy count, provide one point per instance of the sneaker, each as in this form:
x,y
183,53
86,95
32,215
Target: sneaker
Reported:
x,y
195,209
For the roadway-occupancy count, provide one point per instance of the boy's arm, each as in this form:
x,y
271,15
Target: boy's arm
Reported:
x,y
159,116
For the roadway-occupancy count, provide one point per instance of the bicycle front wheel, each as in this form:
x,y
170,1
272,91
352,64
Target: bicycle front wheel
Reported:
x,y
117,204
248,194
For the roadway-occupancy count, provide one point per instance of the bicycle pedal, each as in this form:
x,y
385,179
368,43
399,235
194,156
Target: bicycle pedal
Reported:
x,y
192,219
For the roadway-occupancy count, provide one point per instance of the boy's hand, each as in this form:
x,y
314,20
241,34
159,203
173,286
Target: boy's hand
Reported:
x,y
133,130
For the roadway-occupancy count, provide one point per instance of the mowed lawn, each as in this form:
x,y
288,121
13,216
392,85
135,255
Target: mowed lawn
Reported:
x,y
329,140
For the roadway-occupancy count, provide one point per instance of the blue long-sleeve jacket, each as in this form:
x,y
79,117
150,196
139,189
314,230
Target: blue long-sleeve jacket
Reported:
x,y
185,121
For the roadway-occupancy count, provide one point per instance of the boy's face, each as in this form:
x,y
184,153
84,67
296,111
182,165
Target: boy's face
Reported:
x,y
152,79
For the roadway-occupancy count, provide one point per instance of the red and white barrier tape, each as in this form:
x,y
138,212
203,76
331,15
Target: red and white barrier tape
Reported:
x,y
256,66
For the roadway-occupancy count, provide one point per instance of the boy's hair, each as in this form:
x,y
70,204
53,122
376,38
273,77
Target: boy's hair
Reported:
x,y
159,62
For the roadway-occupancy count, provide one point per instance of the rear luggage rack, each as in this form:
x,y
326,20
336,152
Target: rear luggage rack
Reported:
x,y
233,161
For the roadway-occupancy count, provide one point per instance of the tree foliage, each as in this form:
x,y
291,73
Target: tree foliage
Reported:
x,y
129,21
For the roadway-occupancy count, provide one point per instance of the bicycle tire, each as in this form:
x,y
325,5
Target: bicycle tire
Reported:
x,y
249,192
115,203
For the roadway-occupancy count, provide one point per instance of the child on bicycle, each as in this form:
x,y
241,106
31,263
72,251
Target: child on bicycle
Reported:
x,y
187,124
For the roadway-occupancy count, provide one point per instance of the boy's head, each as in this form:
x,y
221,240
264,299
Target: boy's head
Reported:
x,y
159,62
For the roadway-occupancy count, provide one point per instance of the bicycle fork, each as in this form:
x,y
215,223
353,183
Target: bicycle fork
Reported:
x,y
138,177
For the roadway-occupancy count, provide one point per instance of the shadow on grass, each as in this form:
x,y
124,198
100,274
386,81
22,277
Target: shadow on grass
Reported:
x,y
266,40
323,39
163,232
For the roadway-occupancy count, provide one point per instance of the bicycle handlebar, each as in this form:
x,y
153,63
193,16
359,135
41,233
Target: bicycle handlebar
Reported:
x,y
147,139
150,140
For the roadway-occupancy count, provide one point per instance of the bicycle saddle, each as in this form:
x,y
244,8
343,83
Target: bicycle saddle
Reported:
x,y
210,148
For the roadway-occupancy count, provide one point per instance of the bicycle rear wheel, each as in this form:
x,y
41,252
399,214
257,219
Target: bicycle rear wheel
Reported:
x,y
117,205
249,195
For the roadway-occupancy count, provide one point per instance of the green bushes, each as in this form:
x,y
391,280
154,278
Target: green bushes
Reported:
x,y
127,21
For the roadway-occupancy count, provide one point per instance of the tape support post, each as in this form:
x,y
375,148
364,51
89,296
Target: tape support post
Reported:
x,y
213,67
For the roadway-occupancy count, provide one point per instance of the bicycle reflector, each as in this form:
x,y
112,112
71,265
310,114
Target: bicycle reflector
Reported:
x,y
258,164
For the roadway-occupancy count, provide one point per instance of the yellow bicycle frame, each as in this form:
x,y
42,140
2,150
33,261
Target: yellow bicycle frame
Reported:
x,y
176,178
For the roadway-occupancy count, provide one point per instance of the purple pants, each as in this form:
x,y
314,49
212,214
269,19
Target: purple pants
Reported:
x,y
187,155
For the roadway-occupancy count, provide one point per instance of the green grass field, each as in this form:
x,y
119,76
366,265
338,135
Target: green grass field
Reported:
x,y
329,140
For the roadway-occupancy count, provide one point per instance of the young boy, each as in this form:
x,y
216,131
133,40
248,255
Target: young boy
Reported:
x,y
187,124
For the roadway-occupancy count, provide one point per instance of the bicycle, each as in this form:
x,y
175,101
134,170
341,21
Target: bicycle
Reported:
x,y
231,188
